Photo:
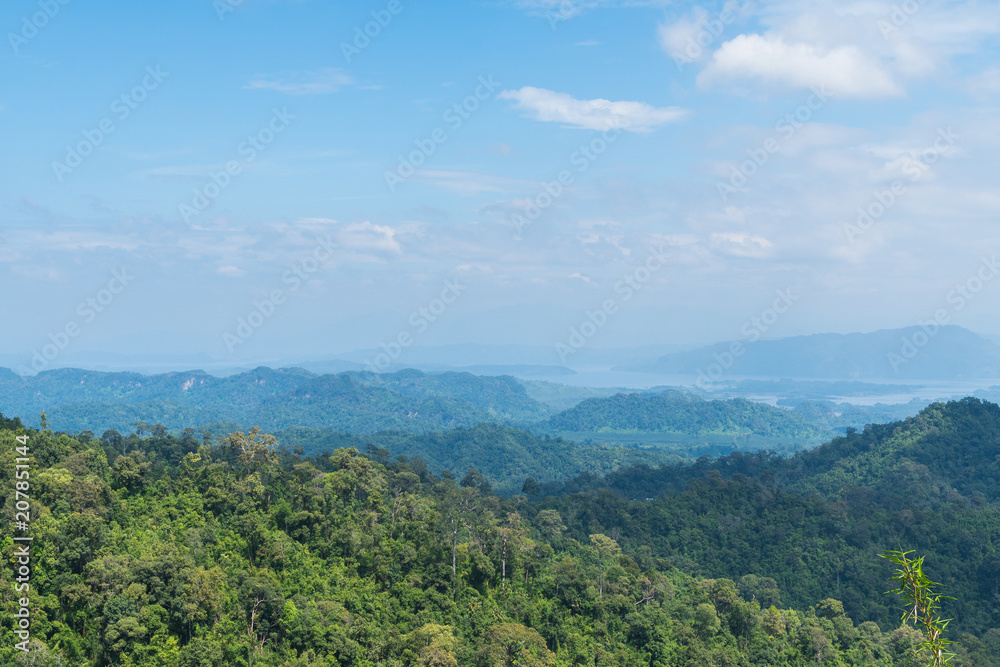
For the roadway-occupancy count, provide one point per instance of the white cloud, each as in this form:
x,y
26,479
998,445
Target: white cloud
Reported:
x,y
869,49
677,240
740,245
910,162
369,236
231,271
83,239
595,223
474,268
599,114
914,60
845,70
322,82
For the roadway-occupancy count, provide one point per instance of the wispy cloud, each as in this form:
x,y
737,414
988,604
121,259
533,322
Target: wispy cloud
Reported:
x,y
369,236
599,114
231,271
985,83
676,38
569,8
321,82
741,245
177,172
464,182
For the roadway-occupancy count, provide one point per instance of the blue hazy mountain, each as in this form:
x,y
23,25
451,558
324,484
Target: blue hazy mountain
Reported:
x,y
918,352
356,402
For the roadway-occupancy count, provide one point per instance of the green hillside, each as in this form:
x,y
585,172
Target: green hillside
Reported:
x,y
505,456
685,423
841,416
816,519
170,552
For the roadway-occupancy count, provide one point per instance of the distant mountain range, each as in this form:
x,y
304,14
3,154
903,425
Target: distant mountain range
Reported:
x,y
929,353
354,402
479,358
301,404
315,411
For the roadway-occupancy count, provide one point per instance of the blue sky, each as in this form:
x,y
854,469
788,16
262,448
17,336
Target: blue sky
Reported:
x,y
652,113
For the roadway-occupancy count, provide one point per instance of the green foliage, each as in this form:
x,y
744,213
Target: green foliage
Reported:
x,y
923,603
513,645
930,481
160,549
505,456
832,416
673,411
706,619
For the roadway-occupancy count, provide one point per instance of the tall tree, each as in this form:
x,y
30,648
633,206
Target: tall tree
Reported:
x,y
606,548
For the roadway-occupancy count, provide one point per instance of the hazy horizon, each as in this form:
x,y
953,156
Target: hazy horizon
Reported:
x,y
459,355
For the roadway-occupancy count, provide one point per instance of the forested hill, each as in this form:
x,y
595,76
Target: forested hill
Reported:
x,y
355,402
673,411
504,455
930,483
173,552
949,448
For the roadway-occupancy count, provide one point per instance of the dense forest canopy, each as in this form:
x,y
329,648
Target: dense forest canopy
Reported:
x,y
160,549
678,412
